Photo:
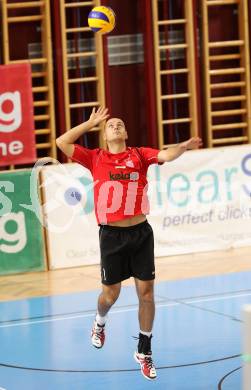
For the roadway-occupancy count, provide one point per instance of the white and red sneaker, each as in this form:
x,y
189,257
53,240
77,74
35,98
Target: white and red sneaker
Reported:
x,y
148,369
98,335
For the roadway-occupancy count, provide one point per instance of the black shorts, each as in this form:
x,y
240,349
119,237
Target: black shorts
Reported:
x,y
126,252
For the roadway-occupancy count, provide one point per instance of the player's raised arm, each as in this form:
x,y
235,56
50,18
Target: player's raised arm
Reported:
x,y
174,152
66,141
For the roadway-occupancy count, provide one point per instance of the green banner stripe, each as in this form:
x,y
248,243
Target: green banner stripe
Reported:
x,y
21,236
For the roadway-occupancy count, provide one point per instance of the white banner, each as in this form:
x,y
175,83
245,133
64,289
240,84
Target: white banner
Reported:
x,y
72,230
201,201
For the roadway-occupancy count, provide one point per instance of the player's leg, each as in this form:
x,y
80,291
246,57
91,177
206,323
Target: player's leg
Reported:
x,y
145,292
114,268
143,267
143,355
107,298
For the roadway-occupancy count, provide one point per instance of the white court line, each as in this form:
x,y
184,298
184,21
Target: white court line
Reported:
x,y
125,310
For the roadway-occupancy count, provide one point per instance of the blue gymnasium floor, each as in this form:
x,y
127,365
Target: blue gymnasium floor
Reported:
x,y
45,342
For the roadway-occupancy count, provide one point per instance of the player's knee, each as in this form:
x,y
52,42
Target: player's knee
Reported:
x,y
146,296
111,297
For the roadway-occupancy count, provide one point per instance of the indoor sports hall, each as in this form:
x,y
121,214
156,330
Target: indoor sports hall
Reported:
x,y
125,185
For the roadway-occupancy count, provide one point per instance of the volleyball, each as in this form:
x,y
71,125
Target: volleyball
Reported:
x,y
101,19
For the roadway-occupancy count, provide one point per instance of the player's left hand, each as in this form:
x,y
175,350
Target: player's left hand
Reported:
x,y
192,143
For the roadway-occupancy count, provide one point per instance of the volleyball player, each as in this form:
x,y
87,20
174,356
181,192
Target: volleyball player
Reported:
x,y
121,206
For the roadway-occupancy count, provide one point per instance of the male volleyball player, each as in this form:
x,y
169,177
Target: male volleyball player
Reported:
x,y
121,205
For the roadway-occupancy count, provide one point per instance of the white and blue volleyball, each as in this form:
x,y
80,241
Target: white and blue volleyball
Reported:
x,y
102,19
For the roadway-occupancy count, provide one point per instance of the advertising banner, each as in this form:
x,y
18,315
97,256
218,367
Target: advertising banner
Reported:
x,y
21,237
201,201
72,231
17,136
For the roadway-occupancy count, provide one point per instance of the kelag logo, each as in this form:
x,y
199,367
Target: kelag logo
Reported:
x,y
124,176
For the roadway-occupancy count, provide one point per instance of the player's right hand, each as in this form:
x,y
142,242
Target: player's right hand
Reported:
x,y
99,116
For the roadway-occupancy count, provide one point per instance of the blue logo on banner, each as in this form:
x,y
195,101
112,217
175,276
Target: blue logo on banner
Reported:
x,y
72,196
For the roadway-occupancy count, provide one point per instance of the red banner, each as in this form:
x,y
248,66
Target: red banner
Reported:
x,y
17,135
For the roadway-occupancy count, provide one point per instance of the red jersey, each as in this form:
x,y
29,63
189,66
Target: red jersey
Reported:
x,y
120,183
